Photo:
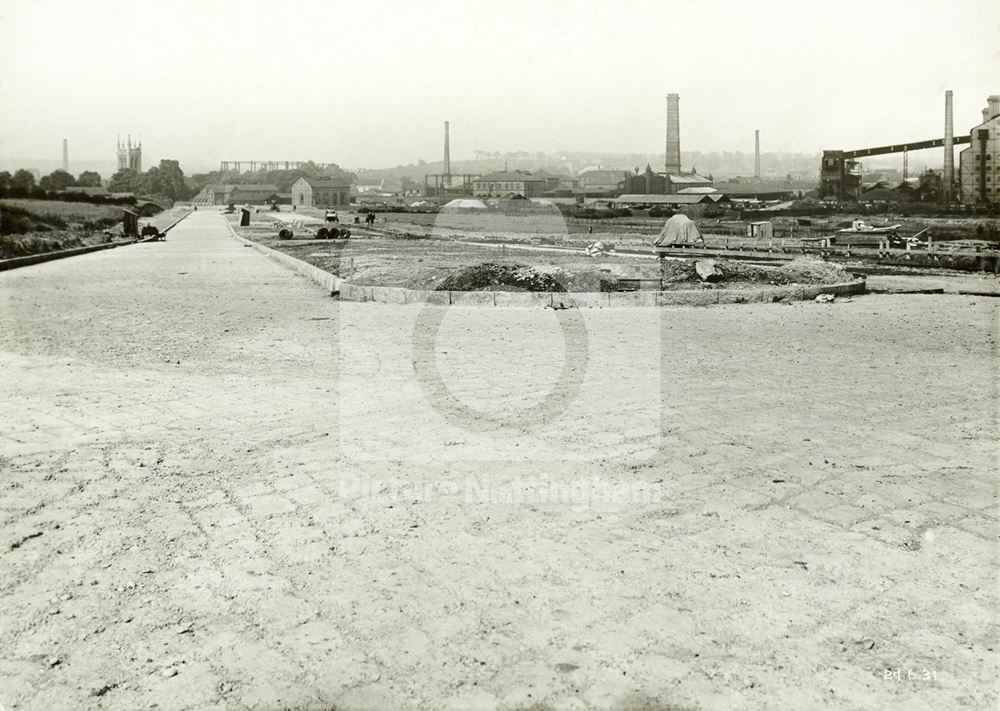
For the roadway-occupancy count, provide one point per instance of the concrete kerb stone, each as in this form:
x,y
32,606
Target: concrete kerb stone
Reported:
x,y
353,292
690,297
388,294
418,296
473,298
632,298
529,299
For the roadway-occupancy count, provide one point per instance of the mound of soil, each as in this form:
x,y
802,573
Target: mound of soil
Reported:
x,y
805,270
734,271
515,277
678,271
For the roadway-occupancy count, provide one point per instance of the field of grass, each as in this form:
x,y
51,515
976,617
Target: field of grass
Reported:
x,y
66,212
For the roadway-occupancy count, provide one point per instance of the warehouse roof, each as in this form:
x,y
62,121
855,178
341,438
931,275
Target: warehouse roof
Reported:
x,y
326,182
255,188
670,199
509,175
688,178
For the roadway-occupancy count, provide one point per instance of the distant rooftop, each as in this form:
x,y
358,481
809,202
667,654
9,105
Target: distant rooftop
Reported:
x,y
677,199
510,175
326,183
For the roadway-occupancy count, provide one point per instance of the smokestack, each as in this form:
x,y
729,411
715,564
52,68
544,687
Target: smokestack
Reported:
x,y
65,155
948,176
447,151
756,153
673,163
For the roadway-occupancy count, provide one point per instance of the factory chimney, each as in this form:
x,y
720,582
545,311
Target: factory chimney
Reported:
x,y
65,165
673,162
948,176
447,151
756,153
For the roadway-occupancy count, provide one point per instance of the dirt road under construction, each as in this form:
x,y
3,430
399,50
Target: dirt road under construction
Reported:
x,y
223,488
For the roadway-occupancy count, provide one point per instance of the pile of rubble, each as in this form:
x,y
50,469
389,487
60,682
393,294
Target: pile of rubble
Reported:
x,y
720,271
501,277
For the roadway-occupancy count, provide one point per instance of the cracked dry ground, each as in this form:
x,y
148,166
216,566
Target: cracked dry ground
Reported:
x,y
174,534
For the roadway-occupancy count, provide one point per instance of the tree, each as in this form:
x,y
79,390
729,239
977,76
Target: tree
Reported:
x,y
57,180
124,181
168,179
23,180
89,179
5,181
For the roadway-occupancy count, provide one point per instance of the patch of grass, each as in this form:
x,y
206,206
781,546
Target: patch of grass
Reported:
x,y
59,214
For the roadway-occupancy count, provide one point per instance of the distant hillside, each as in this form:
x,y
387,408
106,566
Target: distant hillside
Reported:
x,y
720,165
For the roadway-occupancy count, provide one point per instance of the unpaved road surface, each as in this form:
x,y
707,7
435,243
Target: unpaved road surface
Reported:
x,y
180,419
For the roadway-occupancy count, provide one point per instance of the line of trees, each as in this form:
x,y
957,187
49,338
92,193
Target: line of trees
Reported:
x,y
22,184
23,181
166,180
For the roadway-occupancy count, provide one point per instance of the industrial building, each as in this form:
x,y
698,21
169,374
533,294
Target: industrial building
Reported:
x,y
321,192
235,194
650,183
841,171
596,180
979,164
510,182
677,201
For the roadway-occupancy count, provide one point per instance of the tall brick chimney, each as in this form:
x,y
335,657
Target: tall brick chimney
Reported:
x,y
948,175
673,162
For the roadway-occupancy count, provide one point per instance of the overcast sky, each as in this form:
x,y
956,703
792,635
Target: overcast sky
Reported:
x,y
368,84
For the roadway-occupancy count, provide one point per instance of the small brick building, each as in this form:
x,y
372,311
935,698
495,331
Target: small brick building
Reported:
x,y
321,192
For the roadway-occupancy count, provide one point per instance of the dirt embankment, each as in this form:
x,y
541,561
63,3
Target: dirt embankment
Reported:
x,y
27,229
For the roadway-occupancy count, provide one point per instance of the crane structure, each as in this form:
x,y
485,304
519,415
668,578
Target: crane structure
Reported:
x,y
840,171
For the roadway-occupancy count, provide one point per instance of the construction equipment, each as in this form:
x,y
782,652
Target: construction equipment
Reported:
x,y
313,227
152,232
